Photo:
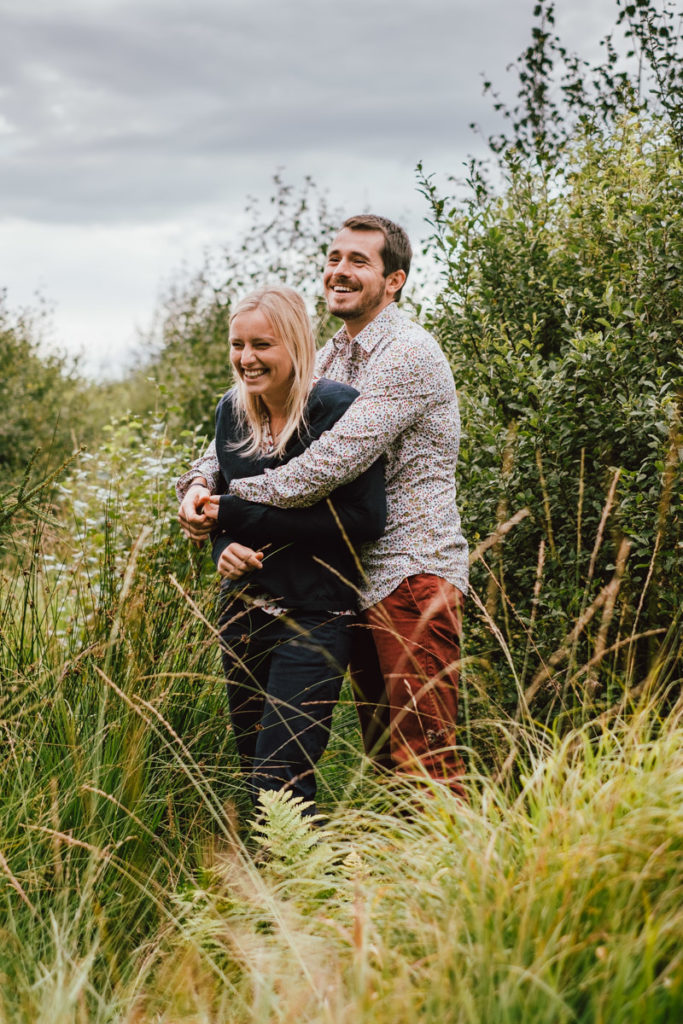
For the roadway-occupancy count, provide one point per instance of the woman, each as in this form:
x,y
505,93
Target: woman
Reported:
x,y
289,574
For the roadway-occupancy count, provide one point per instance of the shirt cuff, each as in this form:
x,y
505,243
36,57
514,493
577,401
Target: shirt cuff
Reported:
x,y
184,482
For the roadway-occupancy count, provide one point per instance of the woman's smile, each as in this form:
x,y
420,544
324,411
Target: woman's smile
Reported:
x,y
260,358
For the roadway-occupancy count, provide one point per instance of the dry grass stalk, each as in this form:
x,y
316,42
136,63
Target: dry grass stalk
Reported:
x,y
498,534
539,578
613,648
607,595
498,635
172,825
85,788
671,465
180,752
546,504
608,606
203,619
641,601
54,815
603,520
607,508
129,574
195,608
579,509
14,882
538,582
501,516
101,853
531,644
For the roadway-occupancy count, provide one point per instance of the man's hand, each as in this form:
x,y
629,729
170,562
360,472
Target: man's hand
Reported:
x,y
210,507
236,560
194,523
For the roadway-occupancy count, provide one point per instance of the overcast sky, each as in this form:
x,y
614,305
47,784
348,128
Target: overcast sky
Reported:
x,y
131,133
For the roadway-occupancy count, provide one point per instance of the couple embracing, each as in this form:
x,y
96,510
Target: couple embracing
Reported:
x,y
329,494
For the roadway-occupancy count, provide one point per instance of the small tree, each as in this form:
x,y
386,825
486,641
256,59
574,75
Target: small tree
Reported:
x,y
560,309
40,396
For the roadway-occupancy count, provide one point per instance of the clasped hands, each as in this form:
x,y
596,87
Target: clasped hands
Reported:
x,y
198,514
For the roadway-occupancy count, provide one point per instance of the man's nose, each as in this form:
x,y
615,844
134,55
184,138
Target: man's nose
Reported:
x,y
342,268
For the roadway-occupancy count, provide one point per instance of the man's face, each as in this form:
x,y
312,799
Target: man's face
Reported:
x,y
355,286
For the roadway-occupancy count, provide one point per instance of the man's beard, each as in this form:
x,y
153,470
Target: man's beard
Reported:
x,y
369,303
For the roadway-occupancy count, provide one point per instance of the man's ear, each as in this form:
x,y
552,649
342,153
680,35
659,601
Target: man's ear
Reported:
x,y
395,281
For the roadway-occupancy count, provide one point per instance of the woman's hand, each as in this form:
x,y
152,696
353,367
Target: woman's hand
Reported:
x,y
236,560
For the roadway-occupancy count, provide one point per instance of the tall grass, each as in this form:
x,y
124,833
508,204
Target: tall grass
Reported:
x,y
128,883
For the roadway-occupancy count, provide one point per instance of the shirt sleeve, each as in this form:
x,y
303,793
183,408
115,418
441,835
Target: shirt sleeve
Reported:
x,y
207,466
399,387
356,511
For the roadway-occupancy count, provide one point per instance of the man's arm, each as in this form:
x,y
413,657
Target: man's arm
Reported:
x,y
397,391
204,469
358,511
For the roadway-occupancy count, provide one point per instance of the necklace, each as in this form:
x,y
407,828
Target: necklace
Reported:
x,y
276,426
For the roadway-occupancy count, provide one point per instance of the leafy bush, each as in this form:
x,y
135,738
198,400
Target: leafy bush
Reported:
x,y
40,396
560,311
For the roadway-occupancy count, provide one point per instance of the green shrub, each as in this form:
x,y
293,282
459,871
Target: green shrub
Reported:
x,y
560,311
40,396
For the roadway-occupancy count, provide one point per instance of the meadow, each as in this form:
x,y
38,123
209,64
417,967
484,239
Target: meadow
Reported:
x,y
131,884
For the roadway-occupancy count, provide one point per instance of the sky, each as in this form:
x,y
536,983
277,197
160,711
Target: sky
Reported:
x,y
132,133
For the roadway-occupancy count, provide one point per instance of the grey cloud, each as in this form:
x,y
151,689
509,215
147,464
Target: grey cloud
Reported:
x,y
124,111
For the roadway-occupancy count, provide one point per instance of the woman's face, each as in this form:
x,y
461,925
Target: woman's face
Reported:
x,y
260,359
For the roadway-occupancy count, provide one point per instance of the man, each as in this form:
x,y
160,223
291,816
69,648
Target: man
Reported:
x,y
406,652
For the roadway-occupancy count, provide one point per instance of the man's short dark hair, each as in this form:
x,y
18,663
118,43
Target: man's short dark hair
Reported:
x,y
397,252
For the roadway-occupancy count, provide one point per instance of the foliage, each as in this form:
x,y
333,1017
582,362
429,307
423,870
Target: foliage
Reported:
x,y
560,310
25,499
132,888
40,396
559,92
187,359
129,892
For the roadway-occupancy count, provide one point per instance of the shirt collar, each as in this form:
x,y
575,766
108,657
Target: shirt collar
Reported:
x,y
373,332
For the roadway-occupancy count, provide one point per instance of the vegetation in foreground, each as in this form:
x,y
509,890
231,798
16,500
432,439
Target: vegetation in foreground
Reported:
x,y
130,880
130,886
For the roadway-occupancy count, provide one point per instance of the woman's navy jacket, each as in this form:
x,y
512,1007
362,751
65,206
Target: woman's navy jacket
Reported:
x,y
308,562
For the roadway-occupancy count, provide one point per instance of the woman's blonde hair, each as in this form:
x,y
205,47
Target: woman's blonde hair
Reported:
x,y
286,312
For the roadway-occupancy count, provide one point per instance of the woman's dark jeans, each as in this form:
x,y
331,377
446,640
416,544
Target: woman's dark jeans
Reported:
x,y
283,674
